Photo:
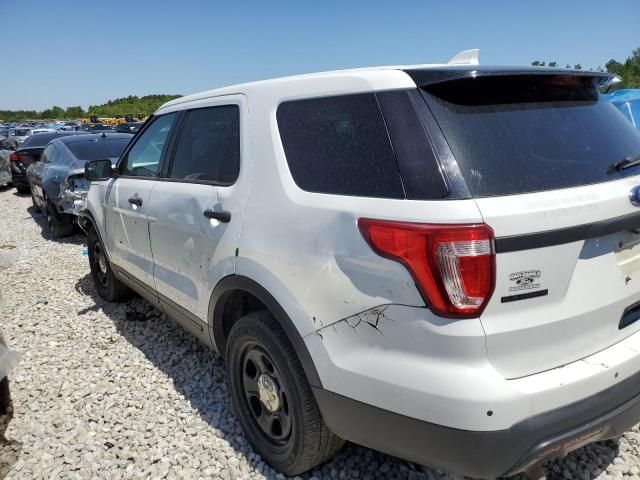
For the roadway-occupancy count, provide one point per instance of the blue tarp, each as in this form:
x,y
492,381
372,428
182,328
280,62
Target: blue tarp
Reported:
x,y
628,102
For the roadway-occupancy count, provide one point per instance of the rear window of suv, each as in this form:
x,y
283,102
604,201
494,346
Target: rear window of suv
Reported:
x,y
528,133
339,145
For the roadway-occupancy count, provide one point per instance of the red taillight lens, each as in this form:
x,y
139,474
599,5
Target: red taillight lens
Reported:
x,y
14,157
452,265
18,157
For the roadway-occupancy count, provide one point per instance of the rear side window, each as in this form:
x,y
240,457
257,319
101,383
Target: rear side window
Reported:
x,y
98,149
208,148
527,133
339,145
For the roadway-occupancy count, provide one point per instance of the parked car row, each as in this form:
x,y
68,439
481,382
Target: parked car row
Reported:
x,y
440,262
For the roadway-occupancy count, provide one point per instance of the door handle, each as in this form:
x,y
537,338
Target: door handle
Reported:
x,y
135,201
222,216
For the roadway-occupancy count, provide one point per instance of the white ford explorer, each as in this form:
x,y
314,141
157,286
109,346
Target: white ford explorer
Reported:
x,y
441,262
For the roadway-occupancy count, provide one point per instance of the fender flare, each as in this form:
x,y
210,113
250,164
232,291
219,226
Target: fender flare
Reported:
x,y
216,328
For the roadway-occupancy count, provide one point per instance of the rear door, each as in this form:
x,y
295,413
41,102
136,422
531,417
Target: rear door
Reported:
x,y
539,155
127,200
197,209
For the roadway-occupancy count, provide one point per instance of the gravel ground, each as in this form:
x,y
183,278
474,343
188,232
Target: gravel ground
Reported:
x,y
118,391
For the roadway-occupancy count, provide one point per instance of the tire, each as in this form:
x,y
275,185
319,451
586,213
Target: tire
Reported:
x,y
284,424
60,225
108,286
23,189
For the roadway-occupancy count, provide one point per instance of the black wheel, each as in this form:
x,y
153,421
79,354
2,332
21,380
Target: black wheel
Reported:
x,y
60,225
272,397
23,189
107,285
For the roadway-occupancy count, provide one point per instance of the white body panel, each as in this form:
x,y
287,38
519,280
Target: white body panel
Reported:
x,y
127,227
588,288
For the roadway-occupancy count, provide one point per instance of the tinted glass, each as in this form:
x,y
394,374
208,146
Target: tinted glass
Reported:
x,y
520,134
20,132
50,155
40,140
146,154
339,145
209,146
98,149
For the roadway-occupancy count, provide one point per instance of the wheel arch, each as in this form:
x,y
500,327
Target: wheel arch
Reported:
x,y
222,296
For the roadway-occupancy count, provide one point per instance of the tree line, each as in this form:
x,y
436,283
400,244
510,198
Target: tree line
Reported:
x,y
120,106
628,71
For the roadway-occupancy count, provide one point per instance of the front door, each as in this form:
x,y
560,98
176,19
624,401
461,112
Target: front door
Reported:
x,y
127,200
197,211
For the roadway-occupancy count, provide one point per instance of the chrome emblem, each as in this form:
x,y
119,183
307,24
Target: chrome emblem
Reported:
x,y
634,196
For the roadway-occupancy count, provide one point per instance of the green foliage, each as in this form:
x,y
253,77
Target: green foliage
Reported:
x,y
120,106
553,64
130,104
629,71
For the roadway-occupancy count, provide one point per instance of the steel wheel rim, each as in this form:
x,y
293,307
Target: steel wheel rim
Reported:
x,y
273,416
100,264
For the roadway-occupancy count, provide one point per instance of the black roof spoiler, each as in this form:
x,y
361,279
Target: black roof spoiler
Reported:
x,y
424,77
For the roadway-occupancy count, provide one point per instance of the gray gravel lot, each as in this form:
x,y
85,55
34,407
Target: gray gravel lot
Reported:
x,y
118,391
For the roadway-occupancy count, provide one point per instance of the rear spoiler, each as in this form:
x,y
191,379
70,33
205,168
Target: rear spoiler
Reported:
x,y
424,77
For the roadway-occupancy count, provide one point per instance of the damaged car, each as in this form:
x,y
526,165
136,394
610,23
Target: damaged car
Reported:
x,y
57,182
5,168
29,152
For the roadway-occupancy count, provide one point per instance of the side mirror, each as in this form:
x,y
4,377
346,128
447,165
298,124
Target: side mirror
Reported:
x,y
98,170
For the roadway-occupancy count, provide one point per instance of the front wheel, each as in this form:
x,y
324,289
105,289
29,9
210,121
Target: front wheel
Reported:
x,y
108,286
272,397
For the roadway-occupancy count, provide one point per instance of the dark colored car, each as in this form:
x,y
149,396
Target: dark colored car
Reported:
x,y
129,127
28,153
57,182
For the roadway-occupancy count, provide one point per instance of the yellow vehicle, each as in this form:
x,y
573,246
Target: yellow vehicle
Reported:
x,y
116,119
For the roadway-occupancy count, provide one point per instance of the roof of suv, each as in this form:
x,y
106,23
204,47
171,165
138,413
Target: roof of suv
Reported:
x,y
390,77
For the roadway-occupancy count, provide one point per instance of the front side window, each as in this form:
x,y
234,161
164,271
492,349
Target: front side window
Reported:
x,y
143,160
339,145
208,148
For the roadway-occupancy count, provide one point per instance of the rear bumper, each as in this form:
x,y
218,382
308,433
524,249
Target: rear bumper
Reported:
x,y
486,454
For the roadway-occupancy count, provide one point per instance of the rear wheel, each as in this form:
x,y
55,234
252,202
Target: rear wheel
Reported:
x,y
272,397
60,225
108,286
23,189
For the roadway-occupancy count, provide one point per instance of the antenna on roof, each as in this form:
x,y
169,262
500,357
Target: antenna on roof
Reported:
x,y
466,57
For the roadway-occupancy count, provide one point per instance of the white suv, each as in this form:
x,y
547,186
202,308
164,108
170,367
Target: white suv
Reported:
x,y
441,262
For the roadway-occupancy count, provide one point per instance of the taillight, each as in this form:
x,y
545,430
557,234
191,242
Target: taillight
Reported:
x,y
452,265
18,157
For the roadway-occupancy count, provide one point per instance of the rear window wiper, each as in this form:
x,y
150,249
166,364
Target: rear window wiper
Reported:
x,y
627,162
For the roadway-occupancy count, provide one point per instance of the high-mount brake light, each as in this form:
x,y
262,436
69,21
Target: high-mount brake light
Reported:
x,y
452,265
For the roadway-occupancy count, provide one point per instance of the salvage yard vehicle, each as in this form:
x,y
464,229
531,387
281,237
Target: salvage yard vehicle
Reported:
x,y
28,153
5,167
57,181
441,262
20,134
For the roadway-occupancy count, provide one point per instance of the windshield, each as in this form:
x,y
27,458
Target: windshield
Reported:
x,y
529,133
98,149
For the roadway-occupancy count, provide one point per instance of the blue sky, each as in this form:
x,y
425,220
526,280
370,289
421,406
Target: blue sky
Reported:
x,y
85,52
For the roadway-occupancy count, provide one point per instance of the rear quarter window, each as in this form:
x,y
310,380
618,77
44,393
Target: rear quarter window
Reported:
x,y
339,145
